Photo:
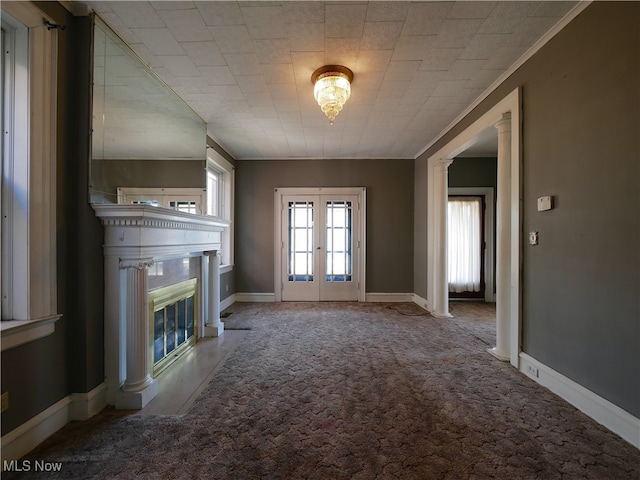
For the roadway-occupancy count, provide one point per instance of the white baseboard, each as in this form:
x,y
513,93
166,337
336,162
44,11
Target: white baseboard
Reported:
x,y
77,406
388,297
421,302
255,297
604,412
21,440
85,405
227,302
369,297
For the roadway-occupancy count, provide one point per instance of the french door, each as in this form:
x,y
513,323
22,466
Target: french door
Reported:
x,y
320,243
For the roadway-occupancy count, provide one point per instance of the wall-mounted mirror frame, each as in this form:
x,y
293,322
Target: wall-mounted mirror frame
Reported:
x,y
143,134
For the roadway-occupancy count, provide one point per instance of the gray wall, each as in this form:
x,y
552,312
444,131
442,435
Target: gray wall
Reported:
x,y
227,284
473,172
389,186
111,174
581,284
420,229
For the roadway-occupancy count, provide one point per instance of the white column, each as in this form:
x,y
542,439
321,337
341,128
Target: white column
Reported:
x,y
138,388
214,327
503,240
440,302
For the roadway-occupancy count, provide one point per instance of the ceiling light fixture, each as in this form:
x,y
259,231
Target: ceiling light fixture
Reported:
x,y
332,88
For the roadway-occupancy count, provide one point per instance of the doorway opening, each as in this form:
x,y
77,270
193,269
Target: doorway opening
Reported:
x,y
466,247
505,116
487,233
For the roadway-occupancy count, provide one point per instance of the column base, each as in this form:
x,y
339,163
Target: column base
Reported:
x,y
500,356
138,399
214,330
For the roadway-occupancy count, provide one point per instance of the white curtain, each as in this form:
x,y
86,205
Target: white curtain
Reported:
x,y
464,248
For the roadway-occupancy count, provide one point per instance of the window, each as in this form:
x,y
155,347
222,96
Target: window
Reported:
x,y
220,184
189,200
28,230
465,244
183,206
15,128
215,188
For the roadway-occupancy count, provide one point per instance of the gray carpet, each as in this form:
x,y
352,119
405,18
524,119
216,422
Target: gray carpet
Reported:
x,y
352,391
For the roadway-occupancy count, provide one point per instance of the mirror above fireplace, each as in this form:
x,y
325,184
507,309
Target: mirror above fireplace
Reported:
x,y
144,134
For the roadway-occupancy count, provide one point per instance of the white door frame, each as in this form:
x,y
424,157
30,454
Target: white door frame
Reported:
x,y
508,257
359,257
489,220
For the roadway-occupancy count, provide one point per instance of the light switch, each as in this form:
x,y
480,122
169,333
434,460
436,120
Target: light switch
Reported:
x,y
533,238
544,203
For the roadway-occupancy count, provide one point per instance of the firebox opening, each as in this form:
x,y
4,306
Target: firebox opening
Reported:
x,y
173,323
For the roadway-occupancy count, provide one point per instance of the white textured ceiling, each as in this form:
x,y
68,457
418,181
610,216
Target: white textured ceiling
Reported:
x,y
245,67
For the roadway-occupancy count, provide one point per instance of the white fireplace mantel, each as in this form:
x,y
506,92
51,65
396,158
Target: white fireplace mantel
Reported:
x,y
134,236
158,230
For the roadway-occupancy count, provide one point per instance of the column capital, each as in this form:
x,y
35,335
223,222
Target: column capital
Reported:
x,y
137,263
212,253
443,163
505,122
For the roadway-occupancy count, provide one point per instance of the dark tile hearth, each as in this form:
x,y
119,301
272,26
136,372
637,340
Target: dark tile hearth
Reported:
x,y
351,391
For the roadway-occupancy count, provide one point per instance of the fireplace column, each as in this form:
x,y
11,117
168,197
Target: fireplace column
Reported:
x,y
138,388
214,327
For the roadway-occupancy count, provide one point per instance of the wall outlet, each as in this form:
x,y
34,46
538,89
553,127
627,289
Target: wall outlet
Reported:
x,y
4,402
532,371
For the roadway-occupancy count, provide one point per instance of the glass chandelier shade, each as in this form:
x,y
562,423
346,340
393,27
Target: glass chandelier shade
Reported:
x,y
332,88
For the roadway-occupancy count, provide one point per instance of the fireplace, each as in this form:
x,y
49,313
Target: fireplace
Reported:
x,y
162,279
173,315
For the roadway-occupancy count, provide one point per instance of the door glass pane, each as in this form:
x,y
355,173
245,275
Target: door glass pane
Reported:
x,y
181,328
190,317
300,231
158,335
171,328
338,241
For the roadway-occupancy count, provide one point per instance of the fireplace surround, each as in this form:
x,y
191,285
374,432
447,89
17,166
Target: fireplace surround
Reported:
x,y
137,239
